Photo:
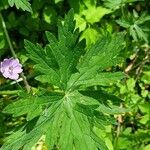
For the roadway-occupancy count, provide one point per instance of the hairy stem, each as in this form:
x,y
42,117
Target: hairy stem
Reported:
x,y
27,86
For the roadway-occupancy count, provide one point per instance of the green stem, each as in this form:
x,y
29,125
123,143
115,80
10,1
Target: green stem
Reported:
x,y
20,87
7,37
27,86
127,40
10,92
122,9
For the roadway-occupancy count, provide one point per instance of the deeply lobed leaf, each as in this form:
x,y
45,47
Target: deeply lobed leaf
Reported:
x,y
67,118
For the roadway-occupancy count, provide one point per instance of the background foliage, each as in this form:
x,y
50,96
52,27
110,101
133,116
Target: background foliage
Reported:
x,y
95,19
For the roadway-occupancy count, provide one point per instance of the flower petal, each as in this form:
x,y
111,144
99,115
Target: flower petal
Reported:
x,y
14,76
17,69
10,68
5,63
15,62
6,74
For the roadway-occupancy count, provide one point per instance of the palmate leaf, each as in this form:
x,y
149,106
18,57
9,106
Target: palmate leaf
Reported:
x,y
135,25
67,118
23,4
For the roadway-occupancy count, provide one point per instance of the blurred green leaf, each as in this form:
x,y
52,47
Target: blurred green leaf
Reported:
x,y
80,22
146,77
97,12
116,4
23,4
49,14
147,147
134,24
91,35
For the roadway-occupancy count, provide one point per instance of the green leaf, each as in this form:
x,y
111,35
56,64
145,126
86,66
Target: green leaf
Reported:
x,y
58,60
90,35
116,4
20,138
67,118
140,33
142,19
23,4
45,64
97,12
31,105
49,14
124,23
99,57
104,79
80,22
133,23
147,147
145,77
113,4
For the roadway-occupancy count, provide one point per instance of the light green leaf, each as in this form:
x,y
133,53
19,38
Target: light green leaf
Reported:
x,y
80,22
97,12
147,147
23,4
145,77
91,35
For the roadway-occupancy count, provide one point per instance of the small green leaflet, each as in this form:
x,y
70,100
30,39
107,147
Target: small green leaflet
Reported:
x,y
116,4
23,4
67,117
135,25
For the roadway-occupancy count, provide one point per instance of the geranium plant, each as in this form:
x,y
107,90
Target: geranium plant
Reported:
x,y
68,115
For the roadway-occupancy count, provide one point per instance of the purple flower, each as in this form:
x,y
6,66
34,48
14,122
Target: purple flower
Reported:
x,y
10,68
